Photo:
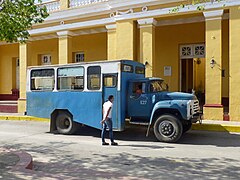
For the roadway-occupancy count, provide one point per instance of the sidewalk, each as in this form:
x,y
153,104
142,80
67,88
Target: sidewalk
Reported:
x,y
207,125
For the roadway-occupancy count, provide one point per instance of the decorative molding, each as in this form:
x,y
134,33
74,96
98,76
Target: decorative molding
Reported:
x,y
192,51
213,15
52,6
144,8
130,11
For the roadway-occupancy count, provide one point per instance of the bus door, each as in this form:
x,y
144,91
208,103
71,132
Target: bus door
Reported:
x,y
110,88
139,102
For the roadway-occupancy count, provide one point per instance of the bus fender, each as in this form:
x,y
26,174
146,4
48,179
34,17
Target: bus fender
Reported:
x,y
170,104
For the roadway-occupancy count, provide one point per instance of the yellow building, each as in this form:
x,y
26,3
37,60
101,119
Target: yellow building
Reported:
x,y
191,49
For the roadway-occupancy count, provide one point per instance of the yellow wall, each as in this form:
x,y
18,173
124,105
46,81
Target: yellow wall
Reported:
x,y
199,74
7,54
234,64
126,40
38,48
94,46
168,40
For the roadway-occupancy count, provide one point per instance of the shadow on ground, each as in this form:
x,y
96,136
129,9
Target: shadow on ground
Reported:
x,y
126,166
193,137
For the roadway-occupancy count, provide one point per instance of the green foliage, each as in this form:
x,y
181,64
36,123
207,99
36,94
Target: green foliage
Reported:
x,y
17,17
198,3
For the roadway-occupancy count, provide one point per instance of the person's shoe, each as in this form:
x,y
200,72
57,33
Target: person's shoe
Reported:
x,y
114,144
105,143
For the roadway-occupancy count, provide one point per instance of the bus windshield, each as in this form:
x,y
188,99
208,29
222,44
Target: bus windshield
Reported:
x,y
158,86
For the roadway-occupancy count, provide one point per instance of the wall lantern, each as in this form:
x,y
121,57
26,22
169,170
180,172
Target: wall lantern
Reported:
x,y
212,63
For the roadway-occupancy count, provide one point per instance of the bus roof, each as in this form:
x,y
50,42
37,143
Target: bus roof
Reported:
x,y
86,63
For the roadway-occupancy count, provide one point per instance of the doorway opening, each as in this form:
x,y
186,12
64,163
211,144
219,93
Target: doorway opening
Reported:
x,y
192,70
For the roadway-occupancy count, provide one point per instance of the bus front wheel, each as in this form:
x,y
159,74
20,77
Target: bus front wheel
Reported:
x,y
168,128
65,123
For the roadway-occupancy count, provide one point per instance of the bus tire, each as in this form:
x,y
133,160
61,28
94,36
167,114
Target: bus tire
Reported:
x,y
168,128
65,123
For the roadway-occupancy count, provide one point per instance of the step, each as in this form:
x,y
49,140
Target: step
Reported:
x,y
8,108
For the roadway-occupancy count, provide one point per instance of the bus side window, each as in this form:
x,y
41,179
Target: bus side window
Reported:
x,y
42,80
93,77
70,78
110,81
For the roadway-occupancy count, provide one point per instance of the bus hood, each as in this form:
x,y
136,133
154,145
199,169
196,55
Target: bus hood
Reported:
x,y
177,96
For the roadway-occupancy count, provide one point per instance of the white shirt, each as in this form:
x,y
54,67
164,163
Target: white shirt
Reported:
x,y
106,107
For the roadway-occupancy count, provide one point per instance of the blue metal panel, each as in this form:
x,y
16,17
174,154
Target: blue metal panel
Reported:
x,y
180,105
112,91
125,78
86,107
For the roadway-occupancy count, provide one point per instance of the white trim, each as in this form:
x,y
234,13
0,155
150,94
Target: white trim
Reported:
x,y
186,20
125,4
111,27
72,26
213,15
165,11
38,38
62,34
76,33
148,21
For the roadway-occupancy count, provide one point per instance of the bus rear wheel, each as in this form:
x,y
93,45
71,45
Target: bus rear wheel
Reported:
x,y
168,128
65,123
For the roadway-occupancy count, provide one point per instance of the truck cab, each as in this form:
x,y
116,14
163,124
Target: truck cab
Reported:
x,y
170,113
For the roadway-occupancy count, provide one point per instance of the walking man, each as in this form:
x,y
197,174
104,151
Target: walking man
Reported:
x,y
107,121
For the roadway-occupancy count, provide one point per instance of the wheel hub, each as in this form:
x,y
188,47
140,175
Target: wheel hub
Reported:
x,y
166,128
65,123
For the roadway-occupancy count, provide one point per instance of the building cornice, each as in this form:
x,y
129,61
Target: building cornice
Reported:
x,y
187,9
106,7
133,15
72,26
125,4
75,13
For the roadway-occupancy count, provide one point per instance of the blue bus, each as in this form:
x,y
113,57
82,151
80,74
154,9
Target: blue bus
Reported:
x,y
73,94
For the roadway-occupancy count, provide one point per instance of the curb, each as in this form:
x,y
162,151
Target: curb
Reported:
x,y
216,127
24,118
25,161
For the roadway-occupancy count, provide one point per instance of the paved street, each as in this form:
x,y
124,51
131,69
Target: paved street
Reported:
x,y
198,155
